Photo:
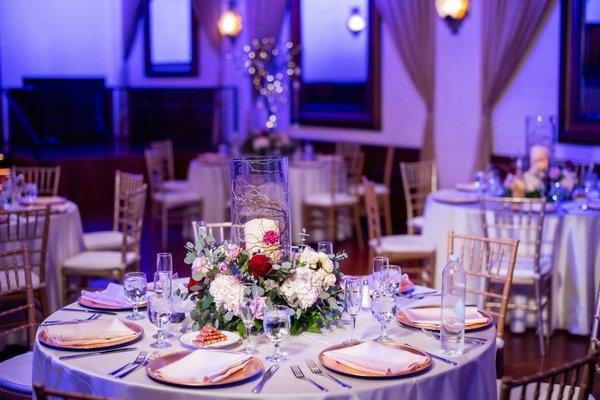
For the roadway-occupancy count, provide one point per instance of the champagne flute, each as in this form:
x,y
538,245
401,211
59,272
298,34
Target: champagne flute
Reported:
x,y
276,323
382,305
164,262
199,229
380,273
160,311
248,304
325,247
163,287
353,295
135,285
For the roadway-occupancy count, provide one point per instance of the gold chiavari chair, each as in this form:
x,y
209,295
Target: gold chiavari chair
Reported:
x,y
111,240
523,219
176,206
45,178
165,149
29,227
346,148
570,381
225,231
15,373
333,203
595,331
109,263
43,393
398,248
489,265
418,180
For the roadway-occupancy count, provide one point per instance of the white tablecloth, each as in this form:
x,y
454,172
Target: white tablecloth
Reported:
x,y
474,378
571,235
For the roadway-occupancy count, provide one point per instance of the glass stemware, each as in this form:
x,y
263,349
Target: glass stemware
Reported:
x,y
199,229
325,247
394,279
353,297
380,273
160,311
164,262
248,304
382,306
30,193
135,285
276,323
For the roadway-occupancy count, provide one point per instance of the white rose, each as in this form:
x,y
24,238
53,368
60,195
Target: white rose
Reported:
x,y
326,264
329,280
532,181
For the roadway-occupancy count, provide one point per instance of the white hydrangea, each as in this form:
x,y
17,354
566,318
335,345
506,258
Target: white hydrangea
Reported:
x,y
303,288
225,290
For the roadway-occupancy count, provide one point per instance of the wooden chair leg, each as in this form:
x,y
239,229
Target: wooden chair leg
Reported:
x,y
387,213
65,289
431,270
164,220
357,227
44,301
540,320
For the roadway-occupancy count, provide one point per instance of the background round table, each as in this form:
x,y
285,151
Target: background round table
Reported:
x,y
570,236
474,377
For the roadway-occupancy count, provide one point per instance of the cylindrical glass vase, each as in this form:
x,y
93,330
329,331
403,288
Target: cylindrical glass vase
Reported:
x,y
260,203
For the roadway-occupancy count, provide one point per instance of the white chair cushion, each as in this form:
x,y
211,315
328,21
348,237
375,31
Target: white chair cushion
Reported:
x,y
380,189
100,260
16,373
403,244
416,222
104,240
325,199
524,267
515,394
35,279
176,185
178,198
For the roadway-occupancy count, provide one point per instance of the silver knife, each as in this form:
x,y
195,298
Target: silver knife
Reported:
x,y
89,311
454,363
96,353
270,372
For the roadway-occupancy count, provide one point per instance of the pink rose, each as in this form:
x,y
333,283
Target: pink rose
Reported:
x,y
232,252
223,266
201,265
259,304
270,237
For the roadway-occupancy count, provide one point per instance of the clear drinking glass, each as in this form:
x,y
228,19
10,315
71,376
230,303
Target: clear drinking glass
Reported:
x,y
380,273
164,262
325,247
160,311
382,306
248,313
199,228
30,193
353,295
163,287
135,285
394,279
276,323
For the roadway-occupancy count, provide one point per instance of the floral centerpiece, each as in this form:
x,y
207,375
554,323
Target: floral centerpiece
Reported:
x,y
309,285
268,142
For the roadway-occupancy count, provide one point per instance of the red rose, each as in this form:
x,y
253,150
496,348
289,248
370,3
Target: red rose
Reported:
x,y
260,265
191,283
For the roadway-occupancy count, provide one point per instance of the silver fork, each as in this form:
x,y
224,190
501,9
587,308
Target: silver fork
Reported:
x,y
300,375
152,356
71,321
138,360
315,369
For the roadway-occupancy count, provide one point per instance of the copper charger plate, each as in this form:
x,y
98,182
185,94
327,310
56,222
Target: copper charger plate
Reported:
x,y
346,370
139,333
403,319
95,306
252,369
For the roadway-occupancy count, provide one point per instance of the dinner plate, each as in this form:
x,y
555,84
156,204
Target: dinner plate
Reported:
x,y
346,370
187,340
254,368
139,333
403,319
466,187
95,306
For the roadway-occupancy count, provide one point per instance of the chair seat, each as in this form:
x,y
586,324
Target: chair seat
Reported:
x,y
35,279
515,394
524,268
99,260
380,189
403,244
416,222
177,198
175,185
104,240
15,373
327,200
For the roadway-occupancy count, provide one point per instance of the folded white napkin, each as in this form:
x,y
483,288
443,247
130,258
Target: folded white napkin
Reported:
x,y
52,200
91,332
205,366
372,357
431,316
112,296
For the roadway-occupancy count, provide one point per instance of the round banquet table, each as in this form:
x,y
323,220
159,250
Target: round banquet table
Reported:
x,y
570,239
305,178
473,378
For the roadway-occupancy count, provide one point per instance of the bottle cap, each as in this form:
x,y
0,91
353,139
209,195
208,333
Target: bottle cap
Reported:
x,y
454,258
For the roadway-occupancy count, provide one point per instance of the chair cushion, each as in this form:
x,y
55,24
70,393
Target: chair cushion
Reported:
x,y
325,199
35,279
16,373
99,260
104,240
515,394
416,222
403,244
380,188
175,185
524,267
177,198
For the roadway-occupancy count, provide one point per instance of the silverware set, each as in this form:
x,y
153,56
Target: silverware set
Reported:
x,y
453,363
315,369
92,317
267,375
138,363
97,353
300,375
88,311
138,360
419,296
468,339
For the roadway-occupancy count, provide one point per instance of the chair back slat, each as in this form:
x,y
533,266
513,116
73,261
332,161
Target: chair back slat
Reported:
x,y
389,166
419,179
156,171
347,149
595,331
372,211
164,148
125,183
132,221
45,178
43,393
225,232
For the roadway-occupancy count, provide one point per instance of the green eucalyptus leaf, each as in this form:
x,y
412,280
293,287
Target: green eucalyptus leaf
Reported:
x,y
197,276
228,316
260,291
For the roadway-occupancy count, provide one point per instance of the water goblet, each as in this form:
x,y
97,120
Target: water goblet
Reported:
x,y
248,304
353,297
160,311
380,273
382,306
325,247
135,285
276,323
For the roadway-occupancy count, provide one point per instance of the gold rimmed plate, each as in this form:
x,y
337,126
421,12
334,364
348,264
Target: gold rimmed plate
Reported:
x,y
254,368
97,306
138,330
403,319
347,370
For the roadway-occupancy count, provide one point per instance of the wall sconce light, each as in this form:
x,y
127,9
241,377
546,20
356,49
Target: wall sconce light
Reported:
x,y
356,23
453,12
230,22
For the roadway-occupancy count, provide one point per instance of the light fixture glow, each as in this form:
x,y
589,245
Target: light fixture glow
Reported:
x,y
230,22
453,12
356,23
